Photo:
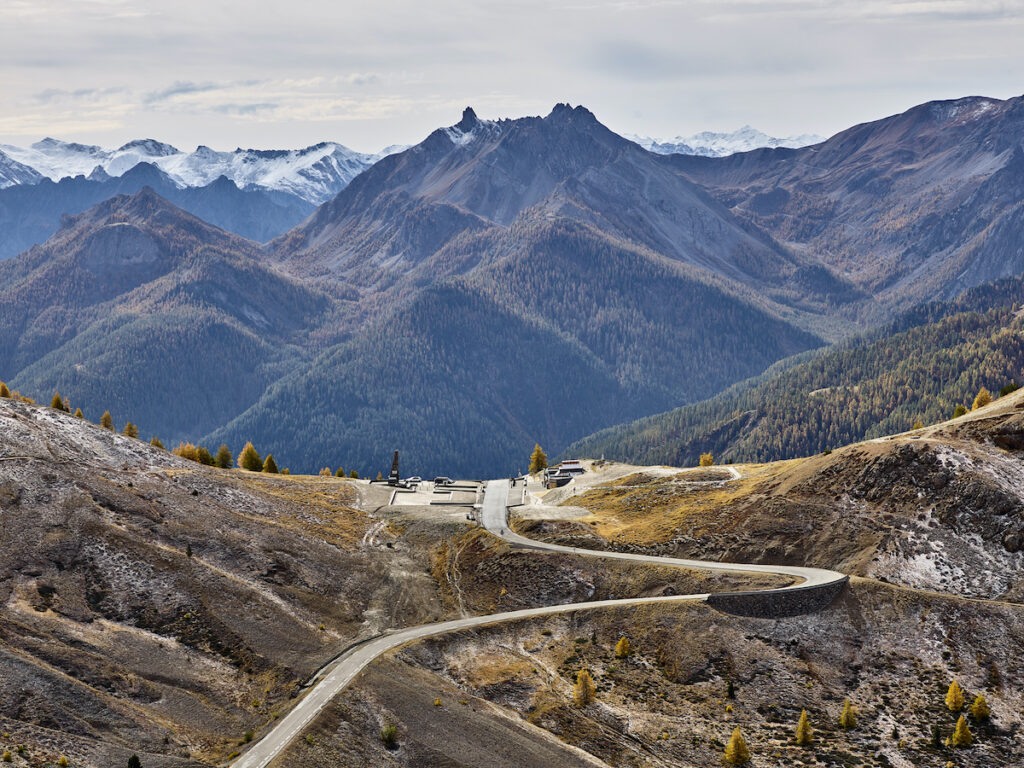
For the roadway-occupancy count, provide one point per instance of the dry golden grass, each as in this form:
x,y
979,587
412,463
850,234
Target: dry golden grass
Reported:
x,y
323,506
494,666
643,509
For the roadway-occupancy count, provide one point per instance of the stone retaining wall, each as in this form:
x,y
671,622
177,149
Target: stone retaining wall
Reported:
x,y
772,604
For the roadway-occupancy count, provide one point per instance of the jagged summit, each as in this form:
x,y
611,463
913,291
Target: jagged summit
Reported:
x,y
567,111
469,120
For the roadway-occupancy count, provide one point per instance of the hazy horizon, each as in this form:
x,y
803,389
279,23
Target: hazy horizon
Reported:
x,y
109,71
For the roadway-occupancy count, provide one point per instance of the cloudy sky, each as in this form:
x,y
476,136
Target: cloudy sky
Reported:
x,y
280,74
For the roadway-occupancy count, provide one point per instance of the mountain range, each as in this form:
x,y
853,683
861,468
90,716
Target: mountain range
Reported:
x,y
315,173
505,282
712,144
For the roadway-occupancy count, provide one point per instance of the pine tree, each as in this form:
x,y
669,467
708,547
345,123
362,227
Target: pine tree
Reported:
x,y
155,442
736,751
249,459
955,697
962,736
730,690
707,460
286,471
584,691
804,734
224,459
354,475
58,403
979,709
983,398
623,648
270,466
4,391
79,414
936,740
538,459
340,472
134,762
959,411
203,456
848,717
107,421
130,430
188,550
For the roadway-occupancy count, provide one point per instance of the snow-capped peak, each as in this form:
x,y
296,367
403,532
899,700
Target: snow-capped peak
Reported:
x,y
711,144
315,173
468,128
13,173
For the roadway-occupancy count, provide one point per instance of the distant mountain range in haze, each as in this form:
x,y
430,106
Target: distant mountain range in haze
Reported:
x,y
711,144
503,282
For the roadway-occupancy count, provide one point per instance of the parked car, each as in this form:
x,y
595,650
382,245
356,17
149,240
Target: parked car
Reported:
x,y
443,481
414,479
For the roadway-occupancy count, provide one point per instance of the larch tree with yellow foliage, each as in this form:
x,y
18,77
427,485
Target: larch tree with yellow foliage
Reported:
x,y
955,697
979,709
707,460
584,691
804,733
983,398
538,460
962,736
848,717
736,751
623,648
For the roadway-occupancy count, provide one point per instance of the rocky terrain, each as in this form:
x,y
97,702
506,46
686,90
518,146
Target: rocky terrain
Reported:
x,y
940,508
153,605
891,652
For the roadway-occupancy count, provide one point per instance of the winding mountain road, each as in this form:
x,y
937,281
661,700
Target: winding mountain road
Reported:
x,y
494,517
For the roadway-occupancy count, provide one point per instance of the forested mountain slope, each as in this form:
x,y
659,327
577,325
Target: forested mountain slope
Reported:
x,y
921,204
918,369
31,213
138,307
571,331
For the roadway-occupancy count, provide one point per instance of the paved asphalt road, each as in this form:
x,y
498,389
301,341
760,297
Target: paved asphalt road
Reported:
x,y
494,517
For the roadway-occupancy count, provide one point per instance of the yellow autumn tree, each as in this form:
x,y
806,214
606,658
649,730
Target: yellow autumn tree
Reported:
x,y
736,751
983,398
107,421
623,648
979,709
962,736
250,459
955,697
707,460
848,717
538,460
804,733
584,691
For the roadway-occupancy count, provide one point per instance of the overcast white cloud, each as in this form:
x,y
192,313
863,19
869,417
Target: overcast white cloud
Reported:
x,y
268,74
